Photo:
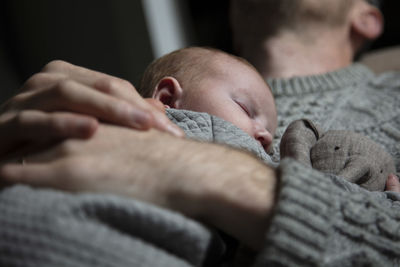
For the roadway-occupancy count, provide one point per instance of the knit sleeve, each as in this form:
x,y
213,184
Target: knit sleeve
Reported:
x,y
41,227
322,220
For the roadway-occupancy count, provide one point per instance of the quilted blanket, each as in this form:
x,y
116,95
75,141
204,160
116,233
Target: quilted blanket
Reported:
x,y
209,128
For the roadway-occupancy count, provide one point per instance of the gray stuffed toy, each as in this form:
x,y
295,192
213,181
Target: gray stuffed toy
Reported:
x,y
344,153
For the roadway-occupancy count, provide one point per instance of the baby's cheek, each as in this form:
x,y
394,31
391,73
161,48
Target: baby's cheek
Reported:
x,y
248,126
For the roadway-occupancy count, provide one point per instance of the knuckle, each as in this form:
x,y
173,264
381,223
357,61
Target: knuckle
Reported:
x,y
110,85
63,88
56,125
67,147
55,65
70,171
76,166
19,122
114,85
126,84
22,118
35,81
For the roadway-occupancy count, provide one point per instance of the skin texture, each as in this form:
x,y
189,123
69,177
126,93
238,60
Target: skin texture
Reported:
x,y
316,47
244,100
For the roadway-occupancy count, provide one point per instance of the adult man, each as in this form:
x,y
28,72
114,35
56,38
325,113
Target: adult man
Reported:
x,y
306,52
315,220
297,38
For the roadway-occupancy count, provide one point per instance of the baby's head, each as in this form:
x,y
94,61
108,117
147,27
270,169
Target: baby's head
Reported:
x,y
212,81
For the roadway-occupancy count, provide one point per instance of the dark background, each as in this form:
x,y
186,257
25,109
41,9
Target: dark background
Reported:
x,y
212,25
109,36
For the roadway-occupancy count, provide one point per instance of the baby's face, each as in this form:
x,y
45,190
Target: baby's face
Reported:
x,y
238,94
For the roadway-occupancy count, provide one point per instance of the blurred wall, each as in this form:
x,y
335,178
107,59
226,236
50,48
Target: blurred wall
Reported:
x,y
108,36
114,36
169,25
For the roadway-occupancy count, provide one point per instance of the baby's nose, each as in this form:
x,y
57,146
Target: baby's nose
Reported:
x,y
264,137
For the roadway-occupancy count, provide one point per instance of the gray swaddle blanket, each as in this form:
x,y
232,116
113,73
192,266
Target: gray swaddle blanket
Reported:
x,y
205,127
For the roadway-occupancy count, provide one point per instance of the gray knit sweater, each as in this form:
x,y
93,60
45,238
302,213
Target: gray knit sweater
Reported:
x,y
352,99
319,220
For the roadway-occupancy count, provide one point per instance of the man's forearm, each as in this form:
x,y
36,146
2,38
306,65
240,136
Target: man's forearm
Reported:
x,y
227,188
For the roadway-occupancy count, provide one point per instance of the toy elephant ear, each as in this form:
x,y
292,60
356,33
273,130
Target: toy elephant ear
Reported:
x,y
298,139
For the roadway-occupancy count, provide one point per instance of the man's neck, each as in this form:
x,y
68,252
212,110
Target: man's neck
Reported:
x,y
289,55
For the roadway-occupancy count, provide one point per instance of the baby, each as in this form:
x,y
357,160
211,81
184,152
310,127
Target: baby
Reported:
x,y
212,81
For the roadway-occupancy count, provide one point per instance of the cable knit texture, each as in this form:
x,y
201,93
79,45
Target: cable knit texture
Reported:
x,y
49,228
352,99
323,220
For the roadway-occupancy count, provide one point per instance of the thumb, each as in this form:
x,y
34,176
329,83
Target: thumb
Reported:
x,y
392,183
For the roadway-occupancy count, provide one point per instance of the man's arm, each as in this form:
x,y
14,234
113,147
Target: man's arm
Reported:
x,y
229,189
317,219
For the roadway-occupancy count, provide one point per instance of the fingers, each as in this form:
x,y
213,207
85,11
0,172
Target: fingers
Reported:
x,y
59,72
72,96
42,80
151,107
54,174
34,125
105,83
161,121
108,98
32,174
393,184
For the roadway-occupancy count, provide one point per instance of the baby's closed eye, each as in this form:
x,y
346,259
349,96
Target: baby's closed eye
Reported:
x,y
244,108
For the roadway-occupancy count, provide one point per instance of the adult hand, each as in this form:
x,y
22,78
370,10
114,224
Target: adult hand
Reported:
x,y
209,182
393,184
64,100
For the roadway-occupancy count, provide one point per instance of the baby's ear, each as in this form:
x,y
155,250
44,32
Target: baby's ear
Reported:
x,y
169,92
